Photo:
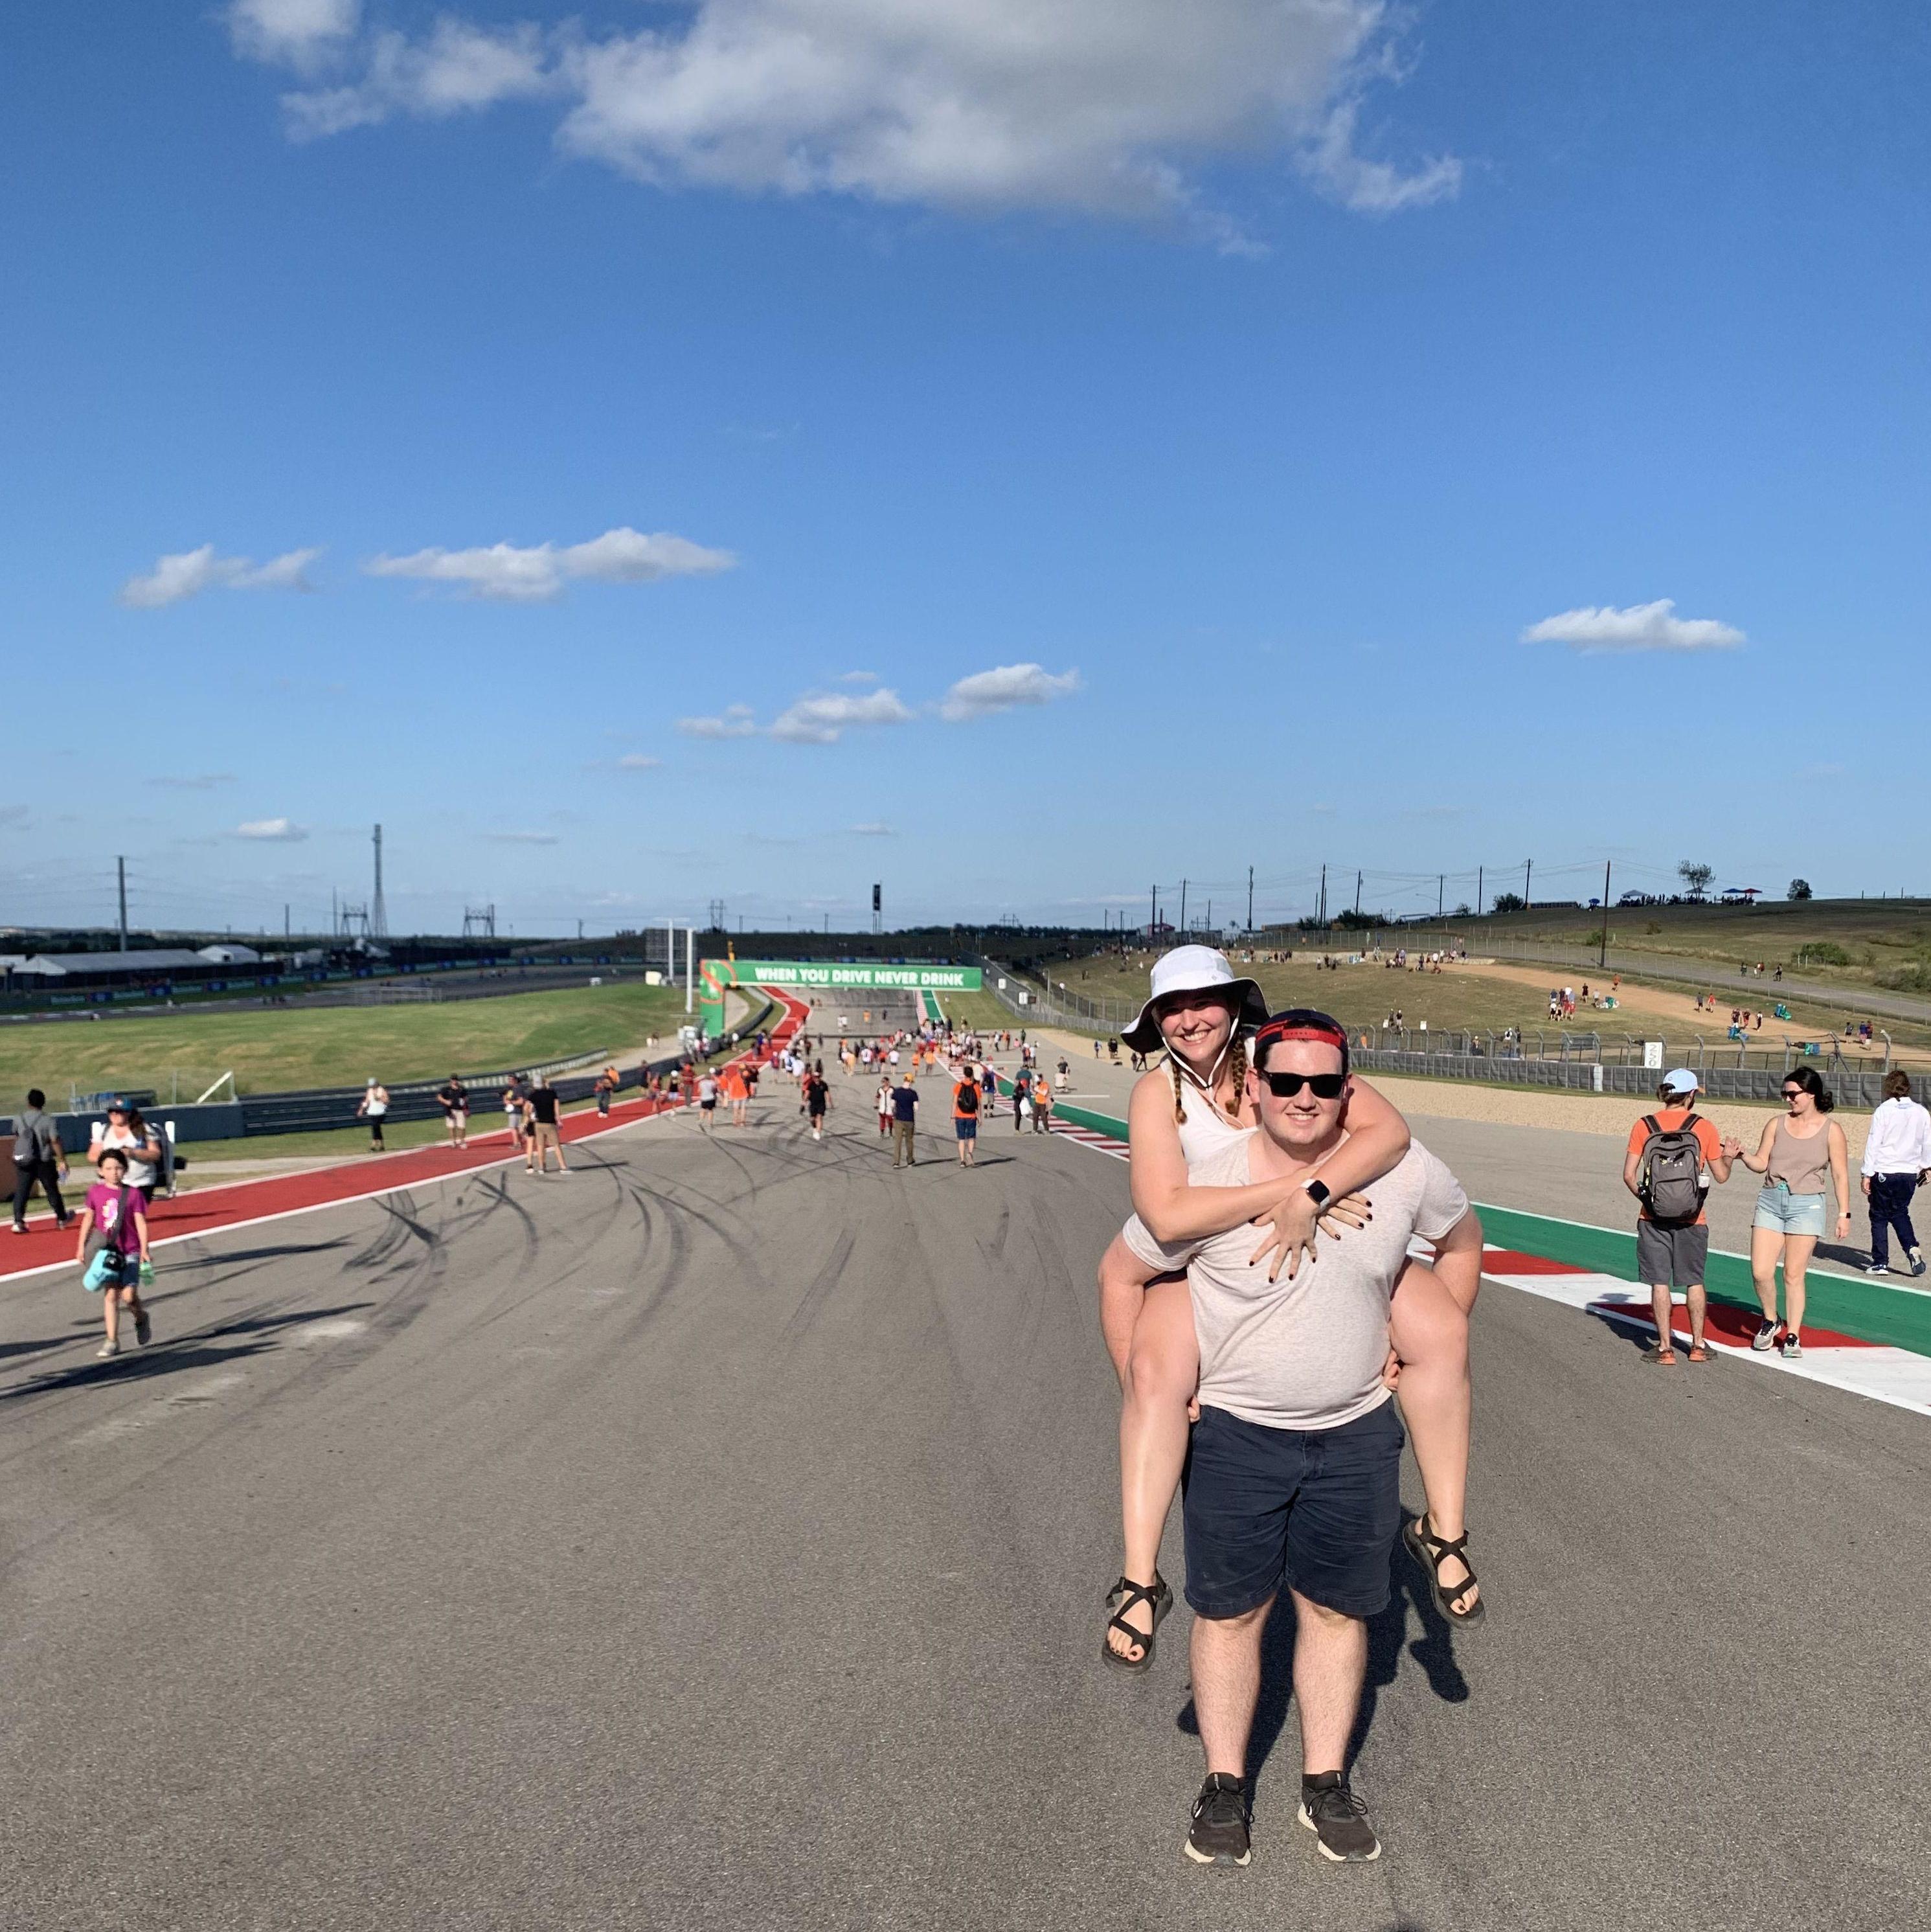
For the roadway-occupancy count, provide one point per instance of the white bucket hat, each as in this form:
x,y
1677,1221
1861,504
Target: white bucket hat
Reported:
x,y
1193,969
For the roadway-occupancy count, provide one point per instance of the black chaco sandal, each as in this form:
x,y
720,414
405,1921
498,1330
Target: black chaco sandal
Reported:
x,y
1430,1552
1119,1600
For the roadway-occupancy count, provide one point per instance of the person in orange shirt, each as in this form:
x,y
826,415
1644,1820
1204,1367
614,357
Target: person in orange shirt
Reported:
x,y
965,1116
1672,1156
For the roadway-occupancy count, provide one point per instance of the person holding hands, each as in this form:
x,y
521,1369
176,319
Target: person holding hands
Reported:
x,y
1802,1154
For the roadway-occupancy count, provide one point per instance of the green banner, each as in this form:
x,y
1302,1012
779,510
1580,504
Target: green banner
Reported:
x,y
817,975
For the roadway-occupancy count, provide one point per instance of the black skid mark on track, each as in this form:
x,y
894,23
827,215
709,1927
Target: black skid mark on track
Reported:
x,y
822,1285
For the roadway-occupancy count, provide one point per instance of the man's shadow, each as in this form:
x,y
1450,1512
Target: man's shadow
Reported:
x,y
1432,1647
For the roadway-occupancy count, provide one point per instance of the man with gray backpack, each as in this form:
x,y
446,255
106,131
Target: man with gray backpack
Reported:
x,y
1674,1154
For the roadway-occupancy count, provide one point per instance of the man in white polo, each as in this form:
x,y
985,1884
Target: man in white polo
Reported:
x,y
1295,1473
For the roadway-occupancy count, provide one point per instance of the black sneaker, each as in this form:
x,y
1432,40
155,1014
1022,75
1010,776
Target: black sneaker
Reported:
x,y
1218,1835
1917,1261
1766,1336
1338,1819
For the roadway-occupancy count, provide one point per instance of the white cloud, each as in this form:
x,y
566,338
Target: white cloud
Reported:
x,y
535,573
1002,688
822,720
457,69
1104,107
294,33
735,721
521,837
638,761
197,781
871,831
283,830
1641,627
187,573
858,677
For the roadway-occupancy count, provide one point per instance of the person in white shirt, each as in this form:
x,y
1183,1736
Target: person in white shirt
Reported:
x,y
1897,1161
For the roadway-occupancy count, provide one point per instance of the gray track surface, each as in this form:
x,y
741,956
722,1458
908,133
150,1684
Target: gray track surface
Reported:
x,y
716,1538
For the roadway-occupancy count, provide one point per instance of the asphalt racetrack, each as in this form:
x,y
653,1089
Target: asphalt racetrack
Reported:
x,y
717,1538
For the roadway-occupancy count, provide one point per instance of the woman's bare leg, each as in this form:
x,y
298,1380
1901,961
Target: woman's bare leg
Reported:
x,y
1766,1247
1429,1329
1151,1339
1797,1249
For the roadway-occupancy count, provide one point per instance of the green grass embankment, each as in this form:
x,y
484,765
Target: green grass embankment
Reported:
x,y
275,1049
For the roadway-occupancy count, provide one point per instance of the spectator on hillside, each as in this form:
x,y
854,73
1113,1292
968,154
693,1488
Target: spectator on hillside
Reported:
x,y
38,1157
1897,1163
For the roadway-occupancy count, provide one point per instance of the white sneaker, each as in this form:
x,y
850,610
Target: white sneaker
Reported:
x,y
106,1350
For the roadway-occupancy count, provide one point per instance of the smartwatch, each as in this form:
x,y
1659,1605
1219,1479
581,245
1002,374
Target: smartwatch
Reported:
x,y
1317,1192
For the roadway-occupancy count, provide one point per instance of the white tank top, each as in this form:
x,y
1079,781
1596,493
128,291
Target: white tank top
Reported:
x,y
1205,1132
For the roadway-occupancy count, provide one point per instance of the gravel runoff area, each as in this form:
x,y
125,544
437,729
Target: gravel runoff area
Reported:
x,y
716,1538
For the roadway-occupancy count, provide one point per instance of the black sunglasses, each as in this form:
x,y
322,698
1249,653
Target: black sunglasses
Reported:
x,y
1324,1086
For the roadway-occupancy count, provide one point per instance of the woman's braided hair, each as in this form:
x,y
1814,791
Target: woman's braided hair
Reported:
x,y
1236,1064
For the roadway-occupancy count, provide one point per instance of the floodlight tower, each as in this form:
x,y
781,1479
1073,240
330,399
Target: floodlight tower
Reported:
x,y
379,917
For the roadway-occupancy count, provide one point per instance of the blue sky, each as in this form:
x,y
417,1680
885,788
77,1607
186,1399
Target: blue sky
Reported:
x,y
1241,382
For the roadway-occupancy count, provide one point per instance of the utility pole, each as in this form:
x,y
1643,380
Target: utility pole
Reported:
x,y
1183,910
1528,870
1153,912
579,931
1478,891
689,968
1602,955
1440,893
1357,895
285,925
1321,916
121,867
1250,900
670,952
379,913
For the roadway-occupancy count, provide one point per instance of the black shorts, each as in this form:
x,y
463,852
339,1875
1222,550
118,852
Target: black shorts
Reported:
x,y
1318,1510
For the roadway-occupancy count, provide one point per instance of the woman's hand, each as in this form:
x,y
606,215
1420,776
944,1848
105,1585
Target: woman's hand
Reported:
x,y
1843,1223
1292,1226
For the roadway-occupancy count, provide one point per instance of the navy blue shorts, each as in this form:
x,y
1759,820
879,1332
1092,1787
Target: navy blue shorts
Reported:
x,y
1317,1509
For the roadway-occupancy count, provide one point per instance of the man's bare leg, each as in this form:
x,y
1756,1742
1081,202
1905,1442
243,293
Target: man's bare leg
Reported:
x,y
1330,1664
1227,1684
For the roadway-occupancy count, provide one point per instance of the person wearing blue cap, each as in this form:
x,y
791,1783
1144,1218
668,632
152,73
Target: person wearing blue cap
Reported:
x,y
1674,1154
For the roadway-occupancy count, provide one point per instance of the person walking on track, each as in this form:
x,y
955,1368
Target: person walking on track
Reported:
x,y
1897,1163
818,1098
1802,1155
38,1158
112,1248
374,1106
1042,1104
606,1085
904,1122
1673,1155
965,1115
1293,1477
707,1100
1199,1013
454,1098
882,1101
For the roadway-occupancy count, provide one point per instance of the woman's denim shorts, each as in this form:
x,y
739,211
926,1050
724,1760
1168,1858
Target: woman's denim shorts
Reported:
x,y
1789,1213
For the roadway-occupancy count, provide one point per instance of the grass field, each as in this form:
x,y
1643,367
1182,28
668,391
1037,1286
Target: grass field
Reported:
x,y
272,1049
1882,944
1483,999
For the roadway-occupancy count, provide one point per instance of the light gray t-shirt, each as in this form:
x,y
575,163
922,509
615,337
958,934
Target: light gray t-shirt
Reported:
x,y
1308,1353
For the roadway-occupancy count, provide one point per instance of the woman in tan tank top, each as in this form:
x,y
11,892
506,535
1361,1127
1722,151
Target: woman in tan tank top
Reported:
x,y
1803,1158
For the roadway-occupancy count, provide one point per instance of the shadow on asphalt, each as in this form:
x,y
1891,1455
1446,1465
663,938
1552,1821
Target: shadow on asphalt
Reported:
x,y
1432,1647
254,1335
